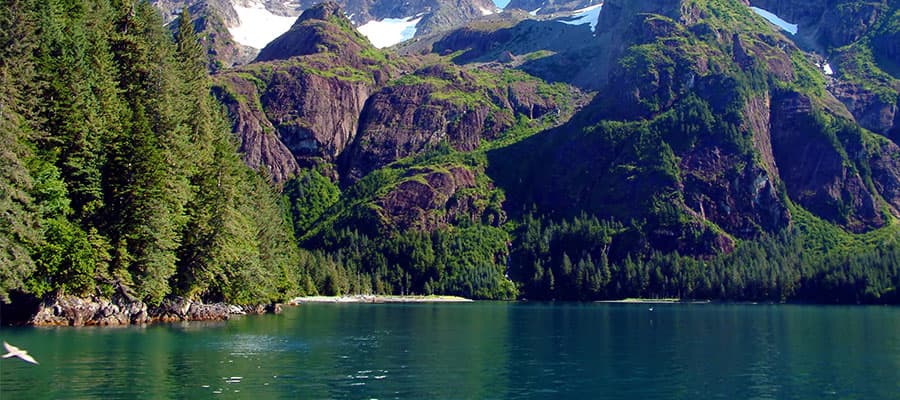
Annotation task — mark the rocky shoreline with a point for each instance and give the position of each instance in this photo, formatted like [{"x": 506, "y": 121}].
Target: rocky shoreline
[{"x": 97, "y": 311}]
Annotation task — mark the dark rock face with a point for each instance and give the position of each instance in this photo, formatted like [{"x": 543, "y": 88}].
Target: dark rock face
[
  {"x": 303, "y": 107},
  {"x": 885, "y": 164},
  {"x": 315, "y": 116},
  {"x": 300, "y": 119},
  {"x": 814, "y": 170},
  {"x": 741, "y": 202},
  {"x": 75, "y": 311},
  {"x": 431, "y": 200},
  {"x": 870, "y": 110},
  {"x": 403, "y": 120},
  {"x": 260, "y": 144}
]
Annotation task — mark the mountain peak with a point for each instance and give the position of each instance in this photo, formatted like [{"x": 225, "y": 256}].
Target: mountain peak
[
  {"x": 322, "y": 11},
  {"x": 322, "y": 28}
]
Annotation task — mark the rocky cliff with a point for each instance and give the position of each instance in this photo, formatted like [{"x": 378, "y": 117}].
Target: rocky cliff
[
  {"x": 321, "y": 93},
  {"x": 441, "y": 104},
  {"x": 304, "y": 104}
]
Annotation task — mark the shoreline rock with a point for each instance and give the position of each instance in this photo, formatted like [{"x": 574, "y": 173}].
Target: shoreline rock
[{"x": 98, "y": 311}]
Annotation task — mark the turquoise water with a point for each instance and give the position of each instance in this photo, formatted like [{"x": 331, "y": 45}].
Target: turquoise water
[{"x": 474, "y": 351}]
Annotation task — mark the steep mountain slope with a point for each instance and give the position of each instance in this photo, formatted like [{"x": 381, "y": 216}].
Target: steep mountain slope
[
  {"x": 710, "y": 131},
  {"x": 211, "y": 20},
  {"x": 860, "y": 40},
  {"x": 321, "y": 89}
]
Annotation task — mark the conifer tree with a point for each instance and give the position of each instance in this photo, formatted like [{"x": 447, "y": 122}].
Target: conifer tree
[{"x": 18, "y": 220}]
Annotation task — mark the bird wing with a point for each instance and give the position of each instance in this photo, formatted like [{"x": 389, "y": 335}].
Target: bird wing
[
  {"x": 10, "y": 348},
  {"x": 28, "y": 358},
  {"x": 14, "y": 351}
]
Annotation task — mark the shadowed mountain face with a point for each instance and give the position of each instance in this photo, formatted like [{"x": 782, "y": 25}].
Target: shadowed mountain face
[{"x": 747, "y": 134}]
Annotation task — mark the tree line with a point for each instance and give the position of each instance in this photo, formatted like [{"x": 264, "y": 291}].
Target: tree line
[{"x": 119, "y": 171}]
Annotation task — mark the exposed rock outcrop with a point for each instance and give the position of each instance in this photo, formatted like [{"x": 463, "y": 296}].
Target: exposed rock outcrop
[
  {"x": 303, "y": 107},
  {"x": 885, "y": 162},
  {"x": 260, "y": 145},
  {"x": 315, "y": 115},
  {"x": 815, "y": 171},
  {"x": 871, "y": 110},
  {"x": 441, "y": 104},
  {"x": 76, "y": 311},
  {"x": 432, "y": 199}
]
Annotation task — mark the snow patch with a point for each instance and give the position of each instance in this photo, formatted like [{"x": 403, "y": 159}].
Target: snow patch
[
  {"x": 258, "y": 26},
  {"x": 587, "y": 15},
  {"x": 827, "y": 69},
  {"x": 485, "y": 11},
  {"x": 535, "y": 11},
  {"x": 787, "y": 26},
  {"x": 390, "y": 31}
]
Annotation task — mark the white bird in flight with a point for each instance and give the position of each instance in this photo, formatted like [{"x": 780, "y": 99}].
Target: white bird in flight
[{"x": 14, "y": 351}]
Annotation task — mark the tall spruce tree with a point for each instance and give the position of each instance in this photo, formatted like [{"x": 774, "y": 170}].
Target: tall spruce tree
[{"x": 18, "y": 219}]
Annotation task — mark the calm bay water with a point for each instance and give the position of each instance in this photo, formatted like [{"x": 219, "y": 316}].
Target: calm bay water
[{"x": 473, "y": 351}]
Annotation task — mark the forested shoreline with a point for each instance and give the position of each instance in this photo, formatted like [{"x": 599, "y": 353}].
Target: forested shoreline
[
  {"x": 120, "y": 177},
  {"x": 120, "y": 174}
]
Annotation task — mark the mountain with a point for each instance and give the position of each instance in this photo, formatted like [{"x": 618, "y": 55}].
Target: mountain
[
  {"x": 234, "y": 30},
  {"x": 683, "y": 134},
  {"x": 707, "y": 149}
]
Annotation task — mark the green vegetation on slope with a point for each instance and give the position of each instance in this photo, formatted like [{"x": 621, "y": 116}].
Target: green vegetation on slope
[{"x": 611, "y": 204}]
